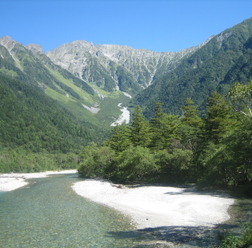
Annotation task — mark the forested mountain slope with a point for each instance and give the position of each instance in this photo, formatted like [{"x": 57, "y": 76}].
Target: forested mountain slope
[
  {"x": 226, "y": 58},
  {"x": 33, "y": 121},
  {"x": 86, "y": 102},
  {"x": 38, "y": 130}
]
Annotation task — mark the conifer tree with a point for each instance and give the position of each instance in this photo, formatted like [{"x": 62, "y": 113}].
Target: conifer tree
[
  {"x": 219, "y": 120},
  {"x": 192, "y": 124},
  {"x": 120, "y": 139},
  {"x": 140, "y": 129}
]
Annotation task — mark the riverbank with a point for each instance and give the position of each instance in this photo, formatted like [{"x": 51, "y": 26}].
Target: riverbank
[
  {"x": 12, "y": 181},
  {"x": 155, "y": 206}
]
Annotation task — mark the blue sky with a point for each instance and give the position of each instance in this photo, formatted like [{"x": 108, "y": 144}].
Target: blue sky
[{"x": 159, "y": 25}]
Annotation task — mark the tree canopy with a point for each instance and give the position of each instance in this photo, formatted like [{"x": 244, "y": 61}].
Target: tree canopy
[{"x": 214, "y": 150}]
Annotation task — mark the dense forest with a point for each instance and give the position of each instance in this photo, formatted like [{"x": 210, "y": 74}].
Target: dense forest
[
  {"x": 212, "y": 150},
  {"x": 36, "y": 133}
]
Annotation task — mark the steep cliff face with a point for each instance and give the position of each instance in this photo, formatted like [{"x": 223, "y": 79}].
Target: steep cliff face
[{"x": 115, "y": 67}]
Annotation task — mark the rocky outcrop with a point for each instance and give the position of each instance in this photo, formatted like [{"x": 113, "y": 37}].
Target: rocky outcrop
[{"x": 114, "y": 67}]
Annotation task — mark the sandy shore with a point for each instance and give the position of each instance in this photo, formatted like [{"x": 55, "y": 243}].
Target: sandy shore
[
  {"x": 12, "y": 181},
  {"x": 153, "y": 206}
]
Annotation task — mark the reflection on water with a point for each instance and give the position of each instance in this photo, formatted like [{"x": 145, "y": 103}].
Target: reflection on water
[{"x": 48, "y": 214}]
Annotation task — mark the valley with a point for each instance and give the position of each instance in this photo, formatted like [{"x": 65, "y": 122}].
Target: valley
[{"x": 130, "y": 116}]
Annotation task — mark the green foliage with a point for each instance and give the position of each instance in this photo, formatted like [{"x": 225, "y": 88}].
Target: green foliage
[
  {"x": 241, "y": 97},
  {"x": 140, "y": 152},
  {"x": 140, "y": 129},
  {"x": 174, "y": 166},
  {"x": 223, "y": 60},
  {"x": 42, "y": 134},
  {"x": 136, "y": 164},
  {"x": 94, "y": 160},
  {"x": 215, "y": 150},
  {"x": 239, "y": 148},
  {"x": 120, "y": 138},
  {"x": 20, "y": 160},
  {"x": 224, "y": 154},
  {"x": 219, "y": 119},
  {"x": 191, "y": 126},
  {"x": 164, "y": 129},
  {"x": 244, "y": 240},
  {"x": 230, "y": 241},
  {"x": 29, "y": 119},
  {"x": 126, "y": 82}
]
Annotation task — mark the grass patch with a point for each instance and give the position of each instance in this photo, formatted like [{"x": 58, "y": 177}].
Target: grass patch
[{"x": 84, "y": 95}]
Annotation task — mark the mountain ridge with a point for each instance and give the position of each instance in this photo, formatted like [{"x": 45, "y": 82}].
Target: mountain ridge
[
  {"x": 140, "y": 66},
  {"x": 88, "y": 73},
  {"x": 201, "y": 73},
  {"x": 29, "y": 65}
]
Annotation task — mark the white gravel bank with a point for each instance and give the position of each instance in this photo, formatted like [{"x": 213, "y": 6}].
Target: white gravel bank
[
  {"x": 12, "y": 181},
  {"x": 153, "y": 206}
]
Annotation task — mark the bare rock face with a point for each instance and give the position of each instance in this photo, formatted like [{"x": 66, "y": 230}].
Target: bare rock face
[
  {"x": 35, "y": 48},
  {"x": 110, "y": 67},
  {"x": 7, "y": 42},
  {"x": 115, "y": 66}
]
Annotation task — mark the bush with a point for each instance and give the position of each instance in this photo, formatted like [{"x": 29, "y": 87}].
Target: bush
[
  {"x": 244, "y": 241},
  {"x": 174, "y": 165},
  {"x": 229, "y": 241},
  {"x": 95, "y": 160},
  {"x": 20, "y": 160},
  {"x": 136, "y": 164}
]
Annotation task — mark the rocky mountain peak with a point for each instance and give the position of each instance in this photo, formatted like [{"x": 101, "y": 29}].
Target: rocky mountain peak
[
  {"x": 103, "y": 63},
  {"x": 35, "y": 48},
  {"x": 7, "y": 42},
  {"x": 75, "y": 47}
]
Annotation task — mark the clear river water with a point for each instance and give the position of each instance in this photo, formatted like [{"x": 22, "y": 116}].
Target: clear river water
[{"x": 48, "y": 214}]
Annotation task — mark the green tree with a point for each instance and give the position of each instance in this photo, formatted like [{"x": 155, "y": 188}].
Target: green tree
[
  {"x": 174, "y": 165},
  {"x": 157, "y": 128},
  {"x": 140, "y": 129},
  {"x": 241, "y": 97},
  {"x": 191, "y": 127},
  {"x": 239, "y": 148},
  {"x": 164, "y": 129},
  {"x": 136, "y": 164},
  {"x": 120, "y": 138},
  {"x": 219, "y": 122},
  {"x": 156, "y": 121},
  {"x": 95, "y": 160}
]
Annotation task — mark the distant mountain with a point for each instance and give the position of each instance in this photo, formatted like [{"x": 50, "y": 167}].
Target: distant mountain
[
  {"x": 114, "y": 67},
  {"x": 224, "y": 59},
  {"x": 31, "y": 64},
  {"x": 84, "y": 86},
  {"x": 85, "y": 101}
]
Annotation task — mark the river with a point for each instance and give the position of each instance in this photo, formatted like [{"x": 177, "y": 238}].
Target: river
[{"x": 48, "y": 214}]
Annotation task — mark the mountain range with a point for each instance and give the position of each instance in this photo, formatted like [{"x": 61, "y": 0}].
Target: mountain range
[
  {"x": 87, "y": 84},
  {"x": 114, "y": 67}
]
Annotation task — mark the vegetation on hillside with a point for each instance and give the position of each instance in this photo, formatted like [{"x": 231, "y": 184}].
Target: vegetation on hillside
[
  {"x": 223, "y": 60},
  {"x": 34, "y": 127}
]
